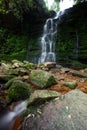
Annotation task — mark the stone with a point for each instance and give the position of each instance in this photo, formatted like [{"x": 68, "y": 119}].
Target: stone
[
  {"x": 65, "y": 70},
  {"x": 68, "y": 112},
  {"x": 5, "y": 66},
  {"x": 17, "y": 61},
  {"x": 38, "y": 96},
  {"x": 79, "y": 74},
  {"x": 18, "y": 91},
  {"x": 41, "y": 78},
  {"x": 85, "y": 70},
  {"x": 29, "y": 65},
  {"x": 71, "y": 85},
  {"x": 50, "y": 64},
  {"x": 16, "y": 71}
]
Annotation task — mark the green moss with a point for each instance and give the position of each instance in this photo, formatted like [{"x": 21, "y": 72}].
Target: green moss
[
  {"x": 41, "y": 78},
  {"x": 51, "y": 81},
  {"x": 18, "y": 91},
  {"x": 28, "y": 65},
  {"x": 71, "y": 85},
  {"x": 9, "y": 83}
]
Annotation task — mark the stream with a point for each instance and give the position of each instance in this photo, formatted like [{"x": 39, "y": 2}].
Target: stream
[{"x": 9, "y": 117}]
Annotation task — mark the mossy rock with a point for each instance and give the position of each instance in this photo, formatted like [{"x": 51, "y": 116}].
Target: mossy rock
[
  {"x": 38, "y": 96},
  {"x": 17, "y": 61},
  {"x": 41, "y": 78},
  {"x": 85, "y": 70},
  {"x": 71, "y": 85},
  {"x": 29, "y": 65},
  {"x": 9, "y": 83},
  {"x": 17, "y": 71},
  {"x": 18, "y": 91}
]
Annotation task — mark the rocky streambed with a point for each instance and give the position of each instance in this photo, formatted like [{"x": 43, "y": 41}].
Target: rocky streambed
[{"x": 55, "y": 96}]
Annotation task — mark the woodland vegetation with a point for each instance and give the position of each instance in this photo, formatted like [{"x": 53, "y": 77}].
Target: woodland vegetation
[{"x": 21, "y": 26}]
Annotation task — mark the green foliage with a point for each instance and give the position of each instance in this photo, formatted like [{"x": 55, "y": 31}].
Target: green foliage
[
  {"x": 12, "y": 46},
  {"x": 18, "y": 7},
  {"x": 3, "y": 6}
]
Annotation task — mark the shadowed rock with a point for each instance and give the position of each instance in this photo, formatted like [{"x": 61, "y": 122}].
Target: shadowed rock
[{"x": 68, "y": 112}]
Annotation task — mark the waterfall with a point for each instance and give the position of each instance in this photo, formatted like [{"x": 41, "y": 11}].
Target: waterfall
[
  {"x": 49, "y": 33},
  {"x": 48, "y": 40},
  {"x": 76, "y": 47}
]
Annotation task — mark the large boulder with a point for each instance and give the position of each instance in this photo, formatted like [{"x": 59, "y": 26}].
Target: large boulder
[
  {"x": 67, "y": 112},
  {"x": 41, "y": 78},
  {"x": 18, "y": 91}
]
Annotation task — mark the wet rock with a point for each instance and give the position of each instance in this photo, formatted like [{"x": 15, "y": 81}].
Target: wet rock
[
  {"x": 18, "y": 91},
  {"x": 42, "y": 95},
  {"x": 41, "y": 78},
  {"x": 71, "y": 85},
  {"x": 50, "y": 64},
  {"x": 65, "y": 70},
  {"x": 67, "y": 112}
]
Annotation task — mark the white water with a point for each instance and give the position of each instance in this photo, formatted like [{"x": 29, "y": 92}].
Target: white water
[
  {"x": 76, "y": 47},
  {"x": 9, "y": 116},
  {"x": 49, "y": 33},
  {"x": 48, "y": 42}
]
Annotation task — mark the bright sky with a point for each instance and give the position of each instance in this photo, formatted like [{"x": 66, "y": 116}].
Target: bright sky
[{"x": 64, "y": 4}]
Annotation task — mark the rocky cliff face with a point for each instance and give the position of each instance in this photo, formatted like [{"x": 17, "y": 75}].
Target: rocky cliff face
[
  {"x": 72, "y": 34},
  {"x": 71, "y": 39}
]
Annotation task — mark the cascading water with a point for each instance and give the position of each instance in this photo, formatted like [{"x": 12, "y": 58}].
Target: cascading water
[
  {"x": 48, "y": 41},
  {"x": 9, "y": 116},
  {"x": 49, "y": 33},
  {"x": 76, "y": 47}
]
